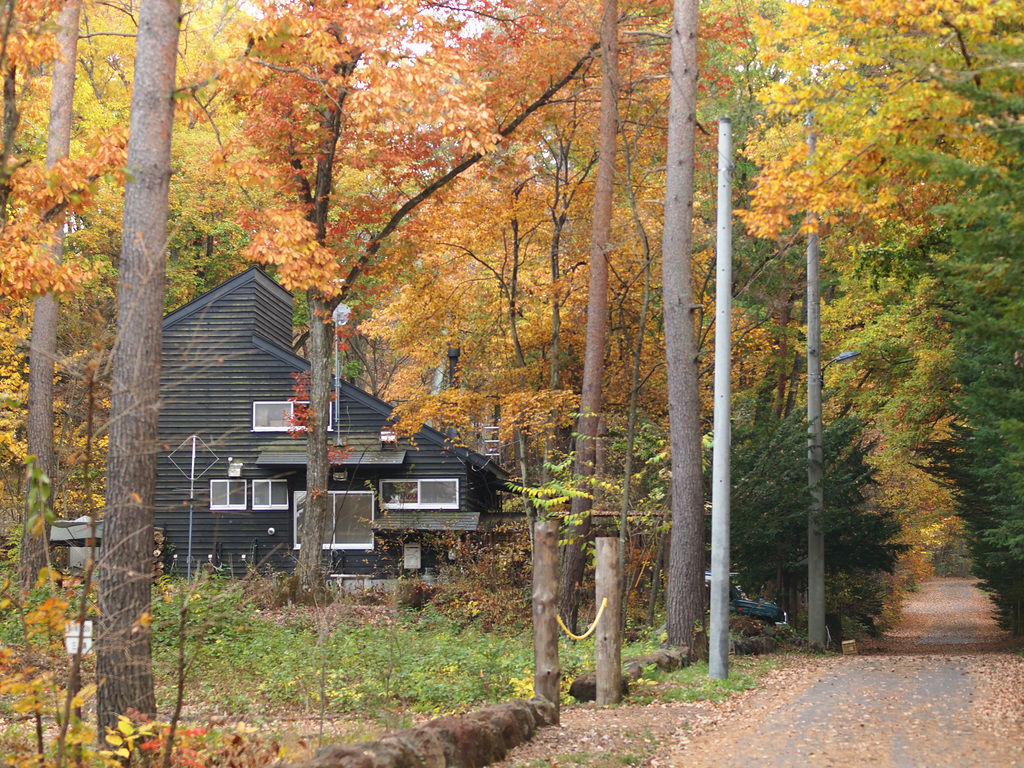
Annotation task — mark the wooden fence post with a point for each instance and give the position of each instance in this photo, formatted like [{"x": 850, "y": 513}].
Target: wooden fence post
[
  {"x": 608, "y": 647},
  {"x": 547, "y": 674}
]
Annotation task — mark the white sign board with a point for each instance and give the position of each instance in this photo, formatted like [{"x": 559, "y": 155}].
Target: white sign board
[
  {"x": 412, "y": 557},
  {"x": 73, "y": 632}
]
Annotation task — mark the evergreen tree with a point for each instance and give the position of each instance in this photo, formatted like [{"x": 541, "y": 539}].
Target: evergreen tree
[
  {"x": 769, "y": 512},
  {"x": 984, "y": 455}
]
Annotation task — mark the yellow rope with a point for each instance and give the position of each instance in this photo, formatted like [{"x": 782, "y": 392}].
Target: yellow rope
[{"x": 593, "y": 626}]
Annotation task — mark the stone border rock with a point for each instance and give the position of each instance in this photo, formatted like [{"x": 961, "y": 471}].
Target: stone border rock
[
  {"x": 470, "y": 741},
  {"x": 584, "y": 687},
  {"x": 752, "y": 646}
]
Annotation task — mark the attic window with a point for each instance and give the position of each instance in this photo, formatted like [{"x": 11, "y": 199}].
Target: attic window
[
  {"x": 277, "y": 416},
  {"x": 227, "y": 494},
  {"x": 272, "y": 415},
  {"x": 420, "y": 494}
]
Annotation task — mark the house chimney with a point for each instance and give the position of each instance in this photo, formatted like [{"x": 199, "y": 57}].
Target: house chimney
[
  {"x": 453, "y": 383},
  {"x": 453, "y": 365}
]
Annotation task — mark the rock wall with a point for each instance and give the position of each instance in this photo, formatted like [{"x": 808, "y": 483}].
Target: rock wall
[{"x": 470, "y": 741}]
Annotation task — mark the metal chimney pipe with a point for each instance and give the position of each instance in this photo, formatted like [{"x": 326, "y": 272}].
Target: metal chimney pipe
[{"x": 453, "y": 364}]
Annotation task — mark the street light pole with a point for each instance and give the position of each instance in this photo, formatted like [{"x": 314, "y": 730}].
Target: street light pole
[
  {"x": 815, "y": 533},
  {"x": 816, "y": 460},
  {"x": 718, "y": 650}
]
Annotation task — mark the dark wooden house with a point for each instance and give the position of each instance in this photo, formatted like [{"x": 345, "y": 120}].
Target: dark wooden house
[{"x": 231, "y": 477}]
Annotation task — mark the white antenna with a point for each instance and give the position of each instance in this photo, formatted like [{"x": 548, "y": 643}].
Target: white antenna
[{"x": 192, "y": 477}]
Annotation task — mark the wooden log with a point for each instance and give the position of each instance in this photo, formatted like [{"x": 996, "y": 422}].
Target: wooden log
[
  {"x": 608, "y": 635},
  {"x": 547, "y": 675}
]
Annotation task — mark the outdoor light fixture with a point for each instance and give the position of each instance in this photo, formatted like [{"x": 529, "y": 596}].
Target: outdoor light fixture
[
  {"x": 340, "y": 315},
  {"x": 842, "y": 357}
]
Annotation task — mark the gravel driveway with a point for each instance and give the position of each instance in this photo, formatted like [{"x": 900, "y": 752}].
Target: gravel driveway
[
  {"x": 945, "y": 690},
  {"x": 942, "y": 691}
]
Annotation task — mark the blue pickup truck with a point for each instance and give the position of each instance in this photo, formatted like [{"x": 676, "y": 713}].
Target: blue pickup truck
[
  {"x": 760, "y": 609},
  {"x": 767, "y": 612}
]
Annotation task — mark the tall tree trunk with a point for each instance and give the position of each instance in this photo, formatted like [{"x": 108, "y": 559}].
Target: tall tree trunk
[
  {"x": 634, "y": 377},
  {"x": 597, "y": 311},
  {"x": 685, "y": 586},
  {"x": 123, "y": 651},
  {"x": 43, "y": 348},
  {"x": 558, "y": 219},
  {"x": 566, "y": 187},
  {"x": 11, "y": 119},
  {"x": 522, "y": 455},
  {"x": 310, "y": 571},
  {"x": 318, "y": 507},
  {"x": 652, "y": 598}
]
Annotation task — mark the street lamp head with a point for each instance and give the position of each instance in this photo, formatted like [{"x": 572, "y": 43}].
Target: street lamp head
[
  {"x": 844, "y": 357},
  {"x": 341, "y": 314}
]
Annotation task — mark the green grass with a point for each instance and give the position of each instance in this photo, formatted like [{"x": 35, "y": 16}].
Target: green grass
[
  {"x": 374, "y": 665},
  {"x": 693, "y": 684},
  {"x": 350, "y": 659},
  {"x": 591, "y": 760}
]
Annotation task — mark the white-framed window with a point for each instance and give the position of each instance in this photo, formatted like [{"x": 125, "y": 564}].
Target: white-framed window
[
  {"x": 420, "y": 494},
  {"x": 272, "y": 415},
  {"x": 278, "y": 416},
  {"x": 227, "y": 494},
  {"x": 270, "y": 494},
  {"x": 349, "y": 521}
]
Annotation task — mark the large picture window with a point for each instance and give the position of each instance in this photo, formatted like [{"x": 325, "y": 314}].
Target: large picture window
[
  {"x": 419, "y": 494},
  {"x": 270, "y": 494},
  {"x": 227, "y": 494},
  {"x": 349, "y": 520}
]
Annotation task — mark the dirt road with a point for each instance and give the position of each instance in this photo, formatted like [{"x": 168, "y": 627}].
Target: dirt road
[
  {"x": 945, "y": 690},
  {"x": 942, "y": 691}
]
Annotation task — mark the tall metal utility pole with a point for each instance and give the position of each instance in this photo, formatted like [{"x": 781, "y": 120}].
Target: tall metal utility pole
[
  {"x": 718, "y": 651},
  {"x": 815, "y": 533}
]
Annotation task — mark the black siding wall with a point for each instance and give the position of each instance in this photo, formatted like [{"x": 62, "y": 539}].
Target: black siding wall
[{"x": 222, "y": 352}]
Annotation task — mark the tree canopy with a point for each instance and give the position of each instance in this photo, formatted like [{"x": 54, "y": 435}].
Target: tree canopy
[{"x": 435, "y": 167}]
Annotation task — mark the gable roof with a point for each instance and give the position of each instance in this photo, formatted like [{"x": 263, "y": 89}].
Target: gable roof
[
  {"x": 254, "y": 273},
  {"x": 275, "y": 292}
]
